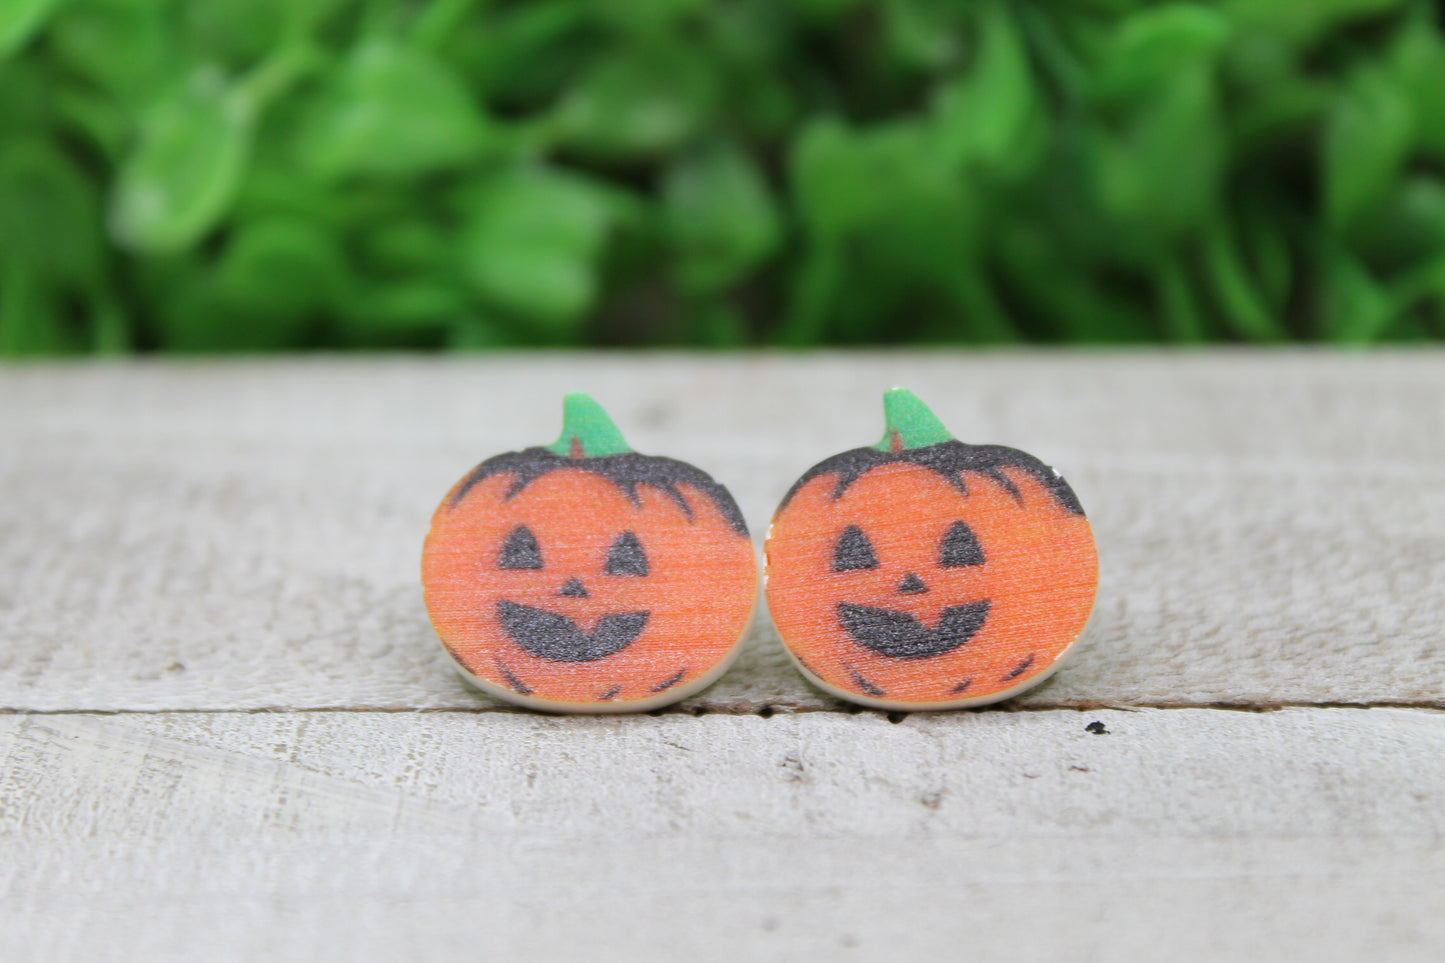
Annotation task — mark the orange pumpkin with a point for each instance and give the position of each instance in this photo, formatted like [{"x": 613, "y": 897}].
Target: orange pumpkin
[
  {"x": 925, "y": 573},
  {"x": 584, "y": 576}
]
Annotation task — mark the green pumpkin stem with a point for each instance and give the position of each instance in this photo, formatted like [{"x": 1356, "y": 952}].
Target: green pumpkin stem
[
  {"x": 910, "y": 424},
  {"x": 587, "y": 431}
]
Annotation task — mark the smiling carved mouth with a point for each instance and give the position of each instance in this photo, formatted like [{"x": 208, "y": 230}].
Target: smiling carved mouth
[
  {"x": 557, "y": 638},
  {"x": 898, "y": 634}
]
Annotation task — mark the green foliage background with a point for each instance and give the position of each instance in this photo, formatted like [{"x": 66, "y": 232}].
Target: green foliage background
[{"x": 221, "y": 175}]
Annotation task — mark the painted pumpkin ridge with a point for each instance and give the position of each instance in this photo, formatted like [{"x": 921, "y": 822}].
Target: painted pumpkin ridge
[
  {"x": 590, "y": 442},
  {"x": 913, "y": 437}
]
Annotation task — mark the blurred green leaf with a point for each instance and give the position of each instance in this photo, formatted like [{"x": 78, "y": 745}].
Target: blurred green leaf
[
  {"x": 1154, "y": 44},
  {"x": 406, "y": 243},
  {"x": 240, "y": 31},
  {"x": 721, "y": 326},
  {"x": 1179, "y": 302},
  {"x": 282, "y": 268},
  {"x": 1270, "y": 257},
  {"x": 395, "y": 314},
  {"x": 823, "y": 11},
  {"x": 1366, "y": 141},
  {"x": 846, "y": 180},
  {"x": 28, "y": 97},
  {"x": 638, "y": 102},
  {"x": 100, "y": 121},
  {"x": 1358, "y": 309},
  {"x": 1162, "y": 175},
  {"x": 484, "y": 173},
  {"x": 1424, "y": 282},
  {"x": 523, "y": 55},
  {"x": 1406, "y": 226},
  {"x": 1061, "y": 291},
  {"x": 1301, "y": 22},
  {"x": 266, "y": 290},
  {"x": 49, "y": 214},
  {"x": 396, "y": 111},
  {"x": 125, "y": 48},
  {"x": 110, "y": 329},
  {"x": 881, "y": 198},
  {"x": 1244, "y": 308},
  {"x": 986, "y": 115},
  {"x": 531, "y": 245},
  {"x": 1417, "y": 65},
  {"x": 649, "y": 17},
  {"x": 185, "y": 170},
  {"x": 193, "y": 318},
  {"x": 19, "y": 19},
  {"x": 720, "y": 216},
  {"x": 835, "y": 190},
  {"x": 815, "y": 289},
  {"x": 478, "y": 333},
  {"x": 1280, "y": 112},
  {"x": 28, "y": 326},
  {"x": 923, "y": 34}
]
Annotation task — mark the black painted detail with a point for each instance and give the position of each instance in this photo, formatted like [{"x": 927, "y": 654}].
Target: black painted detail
[
  {"x": 610, "y": 694},
  {"x": 960, "y": 547},
  {"x": 962, "y": 686},
  {"x": 950, "y": 459},
  {"x": 666, "y": 684},
  {"x": 518, "y": 686},
  {"x": 574, "y": 589},
  {"x": 520, "y": 550},
  {"x": 864, "y": 684},
  {"x": 900, "y": 635},
  {"x": 556, "y": 638},
  {"x": 853, "y": 551},
  {"x": 912, "y": 585},
  {"x": 626, "y": 556},
  {"x": 628, "y": 471},
  {"x": 1019, "y": 669},
  {"x": 1097, "y": 728}
]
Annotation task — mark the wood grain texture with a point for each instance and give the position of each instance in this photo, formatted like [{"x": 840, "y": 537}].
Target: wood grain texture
[
  {"x": 1271, "y": 527},
  {"x": 182, "y": 543},
  {"x": 368, "y": 835}
]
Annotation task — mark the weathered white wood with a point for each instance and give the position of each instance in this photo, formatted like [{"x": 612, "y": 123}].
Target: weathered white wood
[
  {"x": 1271, "y": 526},
  {"x": 1182, "y": 834},
  {"x": 222, "y": 536}
]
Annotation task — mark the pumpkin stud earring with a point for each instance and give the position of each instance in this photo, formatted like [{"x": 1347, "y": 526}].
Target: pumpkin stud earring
[
  {"x": 925, "y": 573},
  {"x": 585, "y": 577}
]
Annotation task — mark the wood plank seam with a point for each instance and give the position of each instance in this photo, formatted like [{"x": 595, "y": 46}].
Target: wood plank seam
[{"x": 763, "y": 712}]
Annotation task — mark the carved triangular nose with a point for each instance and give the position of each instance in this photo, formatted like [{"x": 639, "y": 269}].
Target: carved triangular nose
[
  {"x": 912, "y": 585},
  {"x": 574, "y": 587}
]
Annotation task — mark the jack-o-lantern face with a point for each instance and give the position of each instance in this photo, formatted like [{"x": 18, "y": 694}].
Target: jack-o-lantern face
[
  {"x": 603, "y": 582},
  {"x": 934, "y": 576}
]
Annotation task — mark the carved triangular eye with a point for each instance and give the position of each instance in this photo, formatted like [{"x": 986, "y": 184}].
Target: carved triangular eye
[
  {"x": 520, "y": 550},
  {"x": 960, "y": 547},
  {"x": 626, "y": 556},
  {"x": 853, "y": 551}
]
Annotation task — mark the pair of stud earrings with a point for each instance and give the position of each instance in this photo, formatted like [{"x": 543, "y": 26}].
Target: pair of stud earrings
[{"x": 919, "y": 573}]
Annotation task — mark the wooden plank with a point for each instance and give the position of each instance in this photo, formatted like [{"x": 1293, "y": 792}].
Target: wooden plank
[
  {"x": 1271, "y": 526},
  {"x": 1298, "y": 834}
]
